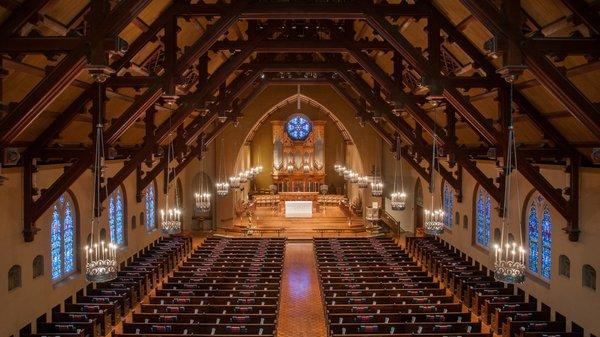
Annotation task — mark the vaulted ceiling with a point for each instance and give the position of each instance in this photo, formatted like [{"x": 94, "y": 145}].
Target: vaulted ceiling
[{"x": 181, "y": 71}]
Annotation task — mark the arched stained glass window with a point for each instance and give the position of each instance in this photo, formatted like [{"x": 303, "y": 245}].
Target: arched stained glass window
[
  {"x": 483, "y": 218},
  {"x": 448, "y": 200},
  {"x": 150, "y": 202},
  {"x": 62, "y": 236},
  {"x": 116, "y": 217},
  {"x": 539, "y": 237}
]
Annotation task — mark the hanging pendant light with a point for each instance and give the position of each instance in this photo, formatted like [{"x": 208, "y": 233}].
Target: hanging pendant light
[
  {"x": 243, "y": 177},
  {"x": 100, "y": 256},
  {"x": 170, "y": 218},
  {"x": 202, "y": 198},
  {"x": 377, "y": 187},
  {"x": 433, "y": 218},
  {"x": 509, "y": 258},
  {"x": 234, "y": 182},
  {"x": 398, "y": 198},
  {"x": 354, "y": 177},
  {"x": 376, "y": 180},
  {"x": 222, "y": 186},
  {"x": 363, "y": 182}
]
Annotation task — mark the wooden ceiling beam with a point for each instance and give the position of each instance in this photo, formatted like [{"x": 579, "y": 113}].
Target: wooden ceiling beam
[
  {"x": 46, "y": 44},
  {"x": 482, "y": 62},
  {"x": 568, "y": 209},
  {"x": 210, "y": 36},
  {"x": 186, "y": 139},
  {"x": 60, "y": 123},
  {"x": 50, "y": 87},
  {"x": 11, "y": 5},
  {"x": 319, "y": 10},
  {"x": 303, "y": 46},
  {"x": 114, "y": 131},
  {"x": 565, "y": 45},
  {"x": 398, "y": 123},
  {"x": 588, "y": 15},
  {"x": 549, "y": 76},
  {"x": 183, "y": 111},
  {"x": 21, "y": 16}
]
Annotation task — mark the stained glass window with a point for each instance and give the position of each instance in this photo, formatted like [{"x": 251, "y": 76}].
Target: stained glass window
[
  {"x": 150, "y": 202},
  {"x": 62, "y": 238},
  {"x": 533, "y": 238},
  {"x": 483, "y": 218},
  {"x": 539, "y": 235},
  {"x": 116, "y": 217},
  {"x": 448, "y": 200},
  {"x": 546, "y": 243},
  {"x": 298, "y": 127}
]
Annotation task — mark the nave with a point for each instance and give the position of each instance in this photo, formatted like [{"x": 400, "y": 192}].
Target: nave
[{"x": 232, "y": 286}]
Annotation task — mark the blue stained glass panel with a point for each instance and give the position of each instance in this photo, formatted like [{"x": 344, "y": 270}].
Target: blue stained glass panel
[
  {"x": 546, "y": 243},
  {"x": 298, "y": 127},
  {"x": 483, "y": 218},
  {"x": 150, "y": 208},
  {"x": 488, "y": 220},
  {"x": 116, "y": 218},
  {"x": 56, "y": 243},
  {"x": 120, "y": 228},
  {"x": 112, "y": 219},
  {"x": 69, "y": 239},
  {"x": 533, "y": 235},
  {"x": 448, "y": 205}
]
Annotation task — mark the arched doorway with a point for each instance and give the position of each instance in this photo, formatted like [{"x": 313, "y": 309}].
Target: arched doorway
[{"x": 418, "y": 208}]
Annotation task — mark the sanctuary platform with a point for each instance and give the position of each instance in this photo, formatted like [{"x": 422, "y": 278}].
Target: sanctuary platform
[{"x": 329, "y": 221}]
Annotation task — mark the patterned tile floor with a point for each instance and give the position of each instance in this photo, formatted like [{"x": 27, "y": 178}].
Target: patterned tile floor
[{"x": 301, "y": 312}]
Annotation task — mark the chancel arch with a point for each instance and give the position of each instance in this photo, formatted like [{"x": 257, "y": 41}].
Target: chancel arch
[{"x": 319, "y": 103}]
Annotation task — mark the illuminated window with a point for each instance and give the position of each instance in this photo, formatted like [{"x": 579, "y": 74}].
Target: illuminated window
[
  {"x": 298, "y": 127},
  {"x": 62, "y": 237},
  {"x": 483, "y": 218},
  {"x": 448, "y": 200},
  {"x": 150, "y": 202},
  {"x": 539, "y": 236},
  {"x": 116, "y": 217}
]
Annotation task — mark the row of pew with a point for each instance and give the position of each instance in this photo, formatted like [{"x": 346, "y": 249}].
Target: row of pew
[
  {"x": 507, "y": 312},
  {"x": 97, "y": 309},
  {"x": 373, "y": 288},
  {"x": 226, "y": 287}
]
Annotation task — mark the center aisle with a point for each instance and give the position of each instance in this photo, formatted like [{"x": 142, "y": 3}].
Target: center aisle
[{"x": 301, "y": 305}]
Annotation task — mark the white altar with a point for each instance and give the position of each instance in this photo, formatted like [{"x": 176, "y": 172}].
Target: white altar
[{"x": 298, "y": 209}]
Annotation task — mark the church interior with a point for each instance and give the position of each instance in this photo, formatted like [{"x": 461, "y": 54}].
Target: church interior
[{"x": 293, "y": 168}]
